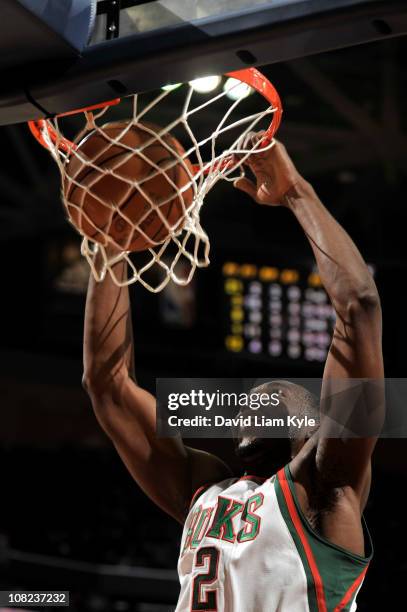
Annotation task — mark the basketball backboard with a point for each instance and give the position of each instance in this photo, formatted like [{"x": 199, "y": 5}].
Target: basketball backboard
[{"x": 138, "y": 45}]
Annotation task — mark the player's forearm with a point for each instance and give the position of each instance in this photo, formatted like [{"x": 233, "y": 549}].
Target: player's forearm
[
  {"x": 342, "y": 269},
  {"x": 108, "y": 338}
]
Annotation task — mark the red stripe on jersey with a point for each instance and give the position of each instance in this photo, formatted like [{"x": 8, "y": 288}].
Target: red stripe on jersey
[
  {"x": 254, "y": 478},
  {"x": 198, "y": 493},
  {"x": 319, "y": 588},
  {"x": 348, "y": 595}
]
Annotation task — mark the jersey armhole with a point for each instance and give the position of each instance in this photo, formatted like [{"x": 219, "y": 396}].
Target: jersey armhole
[{"x": 285, "y": 473}]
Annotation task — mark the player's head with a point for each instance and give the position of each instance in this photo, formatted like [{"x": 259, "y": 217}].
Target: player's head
[{"x": 257, "y": 451}]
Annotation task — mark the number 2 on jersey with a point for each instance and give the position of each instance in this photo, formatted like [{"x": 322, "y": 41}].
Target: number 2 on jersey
[{"x": 205, "y": 602}]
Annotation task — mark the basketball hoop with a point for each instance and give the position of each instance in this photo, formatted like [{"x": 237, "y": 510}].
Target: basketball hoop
[{"x": 218, "y": 155}]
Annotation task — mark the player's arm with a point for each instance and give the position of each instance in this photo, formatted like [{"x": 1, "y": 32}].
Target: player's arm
[
  {"x": 165, "y": 469},
  {"x": 356, "y": 350}
]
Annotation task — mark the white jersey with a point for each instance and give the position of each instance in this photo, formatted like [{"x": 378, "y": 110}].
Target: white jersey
[{"x": 247, "y": 547}]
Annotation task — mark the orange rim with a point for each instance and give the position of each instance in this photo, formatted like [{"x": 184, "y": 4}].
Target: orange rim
[
  {"x": 255, "y": 79},
  {"x": 38, "y": 126},
  {"x": 251, "y": 76}
]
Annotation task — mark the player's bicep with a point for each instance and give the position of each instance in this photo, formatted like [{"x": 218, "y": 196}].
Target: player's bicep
[
  {"x": 164, "y": 468},
  {"x": 352, "y": 399}
]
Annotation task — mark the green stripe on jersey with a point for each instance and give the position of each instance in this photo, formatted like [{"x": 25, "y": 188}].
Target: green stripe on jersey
[
  {"x": 339, "y": 569},
  {"x": 312, "y": 600}
]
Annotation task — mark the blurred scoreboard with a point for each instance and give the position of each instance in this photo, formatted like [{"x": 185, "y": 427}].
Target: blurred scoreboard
[{"x": 277, "y": 312}]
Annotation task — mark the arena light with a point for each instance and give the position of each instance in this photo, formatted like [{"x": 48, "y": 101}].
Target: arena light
[
  {"x": 236, "y": 90},
  {"x": 205, "y": 84},
  {"x": 171, "y": 87}
]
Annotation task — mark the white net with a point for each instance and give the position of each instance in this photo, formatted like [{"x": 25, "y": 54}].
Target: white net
[{"x": 206, "y": 156}]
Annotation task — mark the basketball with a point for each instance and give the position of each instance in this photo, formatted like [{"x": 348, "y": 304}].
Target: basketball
[{"x": 106, "y": 201}]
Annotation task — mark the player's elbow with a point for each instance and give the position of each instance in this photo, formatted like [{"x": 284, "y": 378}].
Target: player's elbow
[
  {"x": 100, "y": 402},
  {"x": 91, "y": 383},
  {"x": 106, "y": 398},
  {"x": 364, "y": 301},
  {"x": 99, "y": 386},
  {"x": 86, "y": 383}
]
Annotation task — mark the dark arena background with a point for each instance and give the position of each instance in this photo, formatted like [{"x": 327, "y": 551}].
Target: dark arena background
[{"x": 71, "y": 517}]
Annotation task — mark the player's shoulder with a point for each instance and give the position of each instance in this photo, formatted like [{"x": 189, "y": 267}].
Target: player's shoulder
[{"x": 212, "y": 489}]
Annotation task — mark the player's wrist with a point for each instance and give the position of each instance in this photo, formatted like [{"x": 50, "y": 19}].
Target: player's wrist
[{"x": 299, "y": 193}]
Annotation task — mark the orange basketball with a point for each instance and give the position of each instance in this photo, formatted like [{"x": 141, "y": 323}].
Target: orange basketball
[{"x": 106, "y": 204}]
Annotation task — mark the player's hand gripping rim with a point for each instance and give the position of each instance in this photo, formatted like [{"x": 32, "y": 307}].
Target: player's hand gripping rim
[{"x": 274, "y": 172}]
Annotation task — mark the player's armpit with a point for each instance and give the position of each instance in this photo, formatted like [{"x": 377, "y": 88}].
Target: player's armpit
[
  {"x": 352, "y": 401},
  {"x": 167, "y": 471}
]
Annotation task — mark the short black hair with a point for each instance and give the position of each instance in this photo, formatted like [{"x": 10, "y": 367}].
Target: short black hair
[{"x": 306, "y": 403}]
